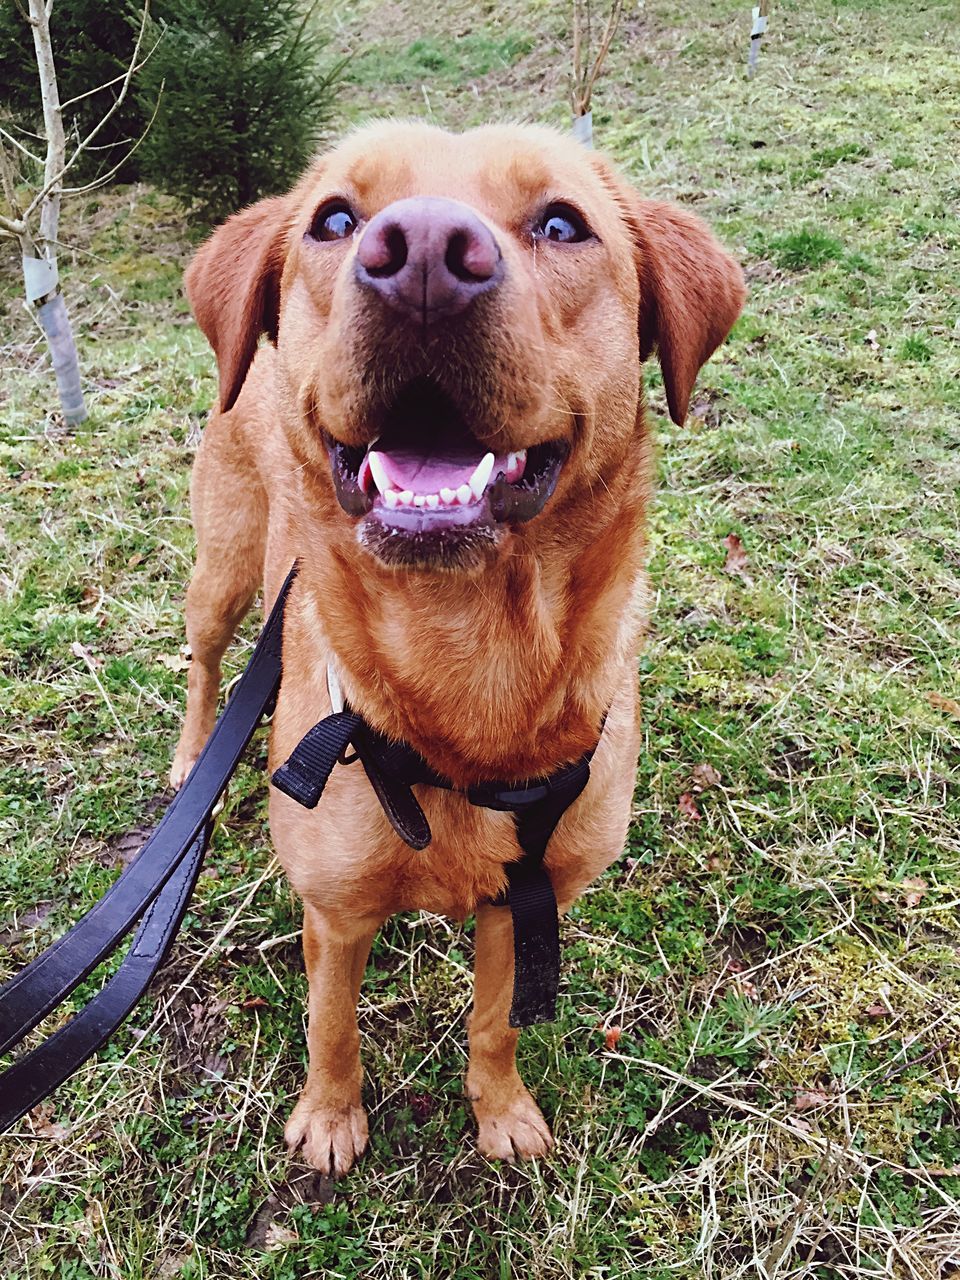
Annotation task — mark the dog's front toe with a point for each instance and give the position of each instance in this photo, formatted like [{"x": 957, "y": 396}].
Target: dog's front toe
[
  {"x": 330, "y": 1138},
  {"x": 511, "y": 1128}
]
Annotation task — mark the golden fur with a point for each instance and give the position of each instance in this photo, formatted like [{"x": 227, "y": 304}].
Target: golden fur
[{"x": 503, "y": 669}]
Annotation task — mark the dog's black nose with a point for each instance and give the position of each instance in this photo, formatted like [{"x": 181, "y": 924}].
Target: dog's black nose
[{"x": 428, "y": 257}]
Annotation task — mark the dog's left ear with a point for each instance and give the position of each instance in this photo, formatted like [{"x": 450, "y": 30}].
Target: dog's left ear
[
  {"x": 691, "y": 289},
  {"x": 691, "y": 292}
]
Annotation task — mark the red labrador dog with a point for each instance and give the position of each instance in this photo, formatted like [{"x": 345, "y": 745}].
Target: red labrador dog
[{"x": 446, "y": 426}]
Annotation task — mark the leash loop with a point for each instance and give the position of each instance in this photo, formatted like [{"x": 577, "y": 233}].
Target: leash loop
[{"x": 156, "y": 886}]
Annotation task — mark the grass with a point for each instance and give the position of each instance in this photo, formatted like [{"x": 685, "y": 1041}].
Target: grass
[{"x": 779, "y": 946}]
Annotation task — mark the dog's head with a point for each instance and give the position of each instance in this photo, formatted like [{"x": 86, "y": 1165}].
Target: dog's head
[{"x": 460, "y": 322}]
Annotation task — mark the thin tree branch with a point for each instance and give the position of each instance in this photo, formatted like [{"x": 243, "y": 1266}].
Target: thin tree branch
[
  {"x": 19, "y": 145},
  {"x": 57, "y": 177},
  {"x": 585, "y": 73},
  {"x": 613, "y": 21},
  {"x": 105, "y": 177},
  {"x": 107, "y": 84},
  {"x": 10, "y": 228}
]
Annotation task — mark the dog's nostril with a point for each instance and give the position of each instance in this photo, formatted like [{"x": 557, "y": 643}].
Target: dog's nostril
[
  {"x": 388, "y": 254},
  {"x": 469, "y": 259}
]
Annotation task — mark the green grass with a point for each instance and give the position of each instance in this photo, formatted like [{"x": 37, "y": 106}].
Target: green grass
[{"x": 780, "y": 943}]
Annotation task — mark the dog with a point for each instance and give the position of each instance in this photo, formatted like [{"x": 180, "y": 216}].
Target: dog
[{"x": 432, "y": 301}]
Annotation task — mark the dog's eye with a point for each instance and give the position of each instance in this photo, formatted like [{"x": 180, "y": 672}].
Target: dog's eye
[
  {"x": 562, "y": 224},
  {"x": 334, "y": 220}
]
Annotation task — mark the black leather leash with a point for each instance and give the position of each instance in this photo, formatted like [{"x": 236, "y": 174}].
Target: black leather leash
[{"x": 162, "y": 874}]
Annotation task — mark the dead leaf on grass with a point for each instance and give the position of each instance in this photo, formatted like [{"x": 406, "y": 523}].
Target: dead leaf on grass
[
  {"x": 173, "y": 661},
  {"x": 278, "y": 1237},
  {"x": 688, "y": 807},
  {"x": 611, "y": 1037},
  {"x": 45, "y": 1127},
  {"x": 940, "y": 702},
  {"x": 704, "y": 776},
  {"x": 915, "y": 889},
  {"x": 737, "y": 563},
  {"x": 807, "y": 1099}
]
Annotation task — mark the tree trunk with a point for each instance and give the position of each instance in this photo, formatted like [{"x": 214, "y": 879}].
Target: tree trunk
[{"x": 50, "y": 307}]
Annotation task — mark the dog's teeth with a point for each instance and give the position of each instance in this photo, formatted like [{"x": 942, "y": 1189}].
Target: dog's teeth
[
  {"x": 405, "y": 496},
  {"x": 379, "y": 472},
  {"x": 465, "y": 495},
  {"x": 516, "y": 463},
  {"x": 481, "y": 476},
  {"x": 363, "y": 475},
  {"x": 391, "y": 497},
  {"x": 419, "y": 500},
  {"x": 433, "y": 500},
  {"x": 448, "y": 495}
]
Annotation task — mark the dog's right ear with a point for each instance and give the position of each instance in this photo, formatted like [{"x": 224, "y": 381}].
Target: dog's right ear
[{"x": 233, "y": 284}]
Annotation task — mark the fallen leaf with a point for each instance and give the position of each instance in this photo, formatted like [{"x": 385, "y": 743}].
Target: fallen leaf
[
  {"x": 871, "y": 340},
  {"x": 801, "y": 1125},
  {"x": 135, "y": 559},
  {"x": 941, "y": 702},
  {"x": 253, "y": 1002},
  {"x": 736, "y": 562},
  {"x": 704, "y": 776},
  {"x": 79, "y": 651},
  {"x": 611, "y": 1037},
  {"x": 877, "y": 1011},
  {"x": 45, "y": 1127},
  {"x": 278, "y": 1237},
  {"x": 173, "y": 661},
  {"x": 807, "y": 1099},
  {"x": 688, "y": 807},
  {"x": 915, "y": 888}
]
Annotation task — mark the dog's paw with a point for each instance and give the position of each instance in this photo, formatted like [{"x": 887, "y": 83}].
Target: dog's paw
[
  {"x": 330, "y": 1138},
  {"x": 183, "y": 762},
  {"x": 513, "y": 1128}
]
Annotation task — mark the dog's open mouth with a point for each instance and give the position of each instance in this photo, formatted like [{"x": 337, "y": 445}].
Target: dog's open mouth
[{"x": 427, "y": 478}]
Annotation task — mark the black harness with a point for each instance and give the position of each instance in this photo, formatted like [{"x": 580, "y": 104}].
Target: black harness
[{"x": 157, "y": 885}]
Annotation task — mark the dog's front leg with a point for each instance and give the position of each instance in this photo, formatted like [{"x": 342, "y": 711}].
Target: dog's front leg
[
  {"x": 328, "y": 1119},
  {"x": 509, "y": 1121}
]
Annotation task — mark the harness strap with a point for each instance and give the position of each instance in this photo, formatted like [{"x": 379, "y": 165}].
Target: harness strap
[{"x": 537, "y": 805}]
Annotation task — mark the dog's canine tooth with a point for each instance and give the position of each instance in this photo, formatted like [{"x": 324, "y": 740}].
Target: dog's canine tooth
[
  {"x": 481, "y": 476},
  {"x": 376, "y": 468}
]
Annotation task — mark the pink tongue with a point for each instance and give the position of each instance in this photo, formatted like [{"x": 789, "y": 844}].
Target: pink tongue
[{"x": 409, "y": 470}]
